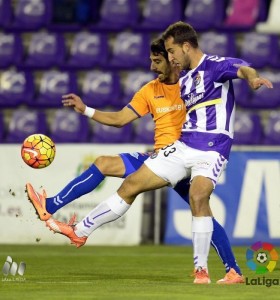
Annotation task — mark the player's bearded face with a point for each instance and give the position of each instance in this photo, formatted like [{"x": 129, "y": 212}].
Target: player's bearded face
[
  {"x": 165, "y": 72},
  {"x": 160, "y": 66}
]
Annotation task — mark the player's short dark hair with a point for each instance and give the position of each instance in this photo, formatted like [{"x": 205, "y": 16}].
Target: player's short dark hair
[
  {"x": 157, "y": 47},
  {"x": 181, "y": 32}
]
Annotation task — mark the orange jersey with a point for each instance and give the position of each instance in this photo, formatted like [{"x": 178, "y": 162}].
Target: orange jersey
[{"x": 168, "y": 110}]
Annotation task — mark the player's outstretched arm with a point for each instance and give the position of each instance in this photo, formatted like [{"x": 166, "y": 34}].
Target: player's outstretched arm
[
  {"x": 253, "y": 78},
  {"x": 116, "y": 119}
]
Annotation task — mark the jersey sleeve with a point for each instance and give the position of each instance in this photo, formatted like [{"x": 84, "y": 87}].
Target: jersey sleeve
[
  {"x": 227, "y": 69},
  {"x": 139, "y": 103}
]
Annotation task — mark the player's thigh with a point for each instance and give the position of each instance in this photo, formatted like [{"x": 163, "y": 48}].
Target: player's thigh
[
  {"x": 169, "y": 163},
  {"x": 209, "y": 164},
  {"x": 110, "y": 165},
  {"x": 120, "y": 165},
  {"x": 133, "y": 161},
  {"x": 140, "y": 181},
  {"x": 201, "y": 188}
]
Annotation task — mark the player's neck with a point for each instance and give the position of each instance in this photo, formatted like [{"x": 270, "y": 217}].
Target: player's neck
[
  {"x": 196, "y": 57},
  {"x": 172, "y": 78}
]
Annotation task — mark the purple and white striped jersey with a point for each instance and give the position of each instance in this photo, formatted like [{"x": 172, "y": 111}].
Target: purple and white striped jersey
[{"x": 209, "y": 97}]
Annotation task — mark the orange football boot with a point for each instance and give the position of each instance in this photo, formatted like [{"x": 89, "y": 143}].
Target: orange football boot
[
  {"x": 38, "y": 201},
  {"x": 231, "y": 277},
  {"x": 201, "y": 276},
  {"x": 67, "y": 230}
]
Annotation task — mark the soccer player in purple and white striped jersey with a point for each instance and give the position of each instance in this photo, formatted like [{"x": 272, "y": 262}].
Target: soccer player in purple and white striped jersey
[
  {"x": 206, "y": 86},
  {"x": 207, "y": 135}
]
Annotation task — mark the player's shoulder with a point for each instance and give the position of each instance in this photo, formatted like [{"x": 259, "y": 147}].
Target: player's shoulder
[
  {"x": 153, "y": 82},
  {"x": 214, "y": 59},
  {"x": 150, "y": 85},
  {"x": 221, "y": 62},
  {"x": 216, "y": 62}
]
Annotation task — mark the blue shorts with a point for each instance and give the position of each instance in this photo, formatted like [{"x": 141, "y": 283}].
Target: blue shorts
[{"x": 133, "y": 161}]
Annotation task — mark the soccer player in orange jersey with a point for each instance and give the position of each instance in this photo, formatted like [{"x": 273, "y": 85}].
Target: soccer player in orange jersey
[{"x": 161, "y": 99}]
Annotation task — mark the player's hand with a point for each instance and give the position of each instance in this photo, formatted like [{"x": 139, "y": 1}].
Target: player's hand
[
  {"x": 72, "y": 100},
  {"x": 256, "y": 83}
]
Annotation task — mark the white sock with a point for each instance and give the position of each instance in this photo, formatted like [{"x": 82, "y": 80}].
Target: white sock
[
  {"x": 202, "y": 228},
  {"x": 107, "y": 211}
]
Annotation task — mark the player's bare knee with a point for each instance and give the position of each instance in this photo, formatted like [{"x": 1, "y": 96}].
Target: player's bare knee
[
  {"x": 199, "y": 203},
  {"x": 200, "y": 196},
  {"x": 103, "y": 164},
  {"x": 110, "y": 165}
]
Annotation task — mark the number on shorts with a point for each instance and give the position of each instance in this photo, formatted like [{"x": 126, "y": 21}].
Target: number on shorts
[{"x": 168, "y": 149}]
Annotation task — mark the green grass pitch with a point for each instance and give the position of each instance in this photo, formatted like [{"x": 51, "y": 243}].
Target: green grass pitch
[{"x": 143, "y": 272}]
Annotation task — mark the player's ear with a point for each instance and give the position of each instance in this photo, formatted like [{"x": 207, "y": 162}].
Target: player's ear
[{"x": 186, "y": 47}]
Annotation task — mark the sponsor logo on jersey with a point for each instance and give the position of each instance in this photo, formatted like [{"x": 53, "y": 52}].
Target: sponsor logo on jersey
[
  {"x": 169, "y": 108},
  {"x": 193, "y": 99}
]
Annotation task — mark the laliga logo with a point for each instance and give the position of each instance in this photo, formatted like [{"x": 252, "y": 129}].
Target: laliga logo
[{"x": 261, "y": 257}]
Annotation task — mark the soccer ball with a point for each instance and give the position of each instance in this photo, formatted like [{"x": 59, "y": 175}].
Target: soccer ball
[{"x": 38, "y": 151}]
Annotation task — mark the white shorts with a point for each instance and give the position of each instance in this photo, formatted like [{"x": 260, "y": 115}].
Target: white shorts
[{"x": 178, "y": 161}]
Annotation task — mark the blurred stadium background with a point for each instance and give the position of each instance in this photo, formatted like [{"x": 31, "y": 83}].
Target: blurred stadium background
[{"x": 100, "y": 50}]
